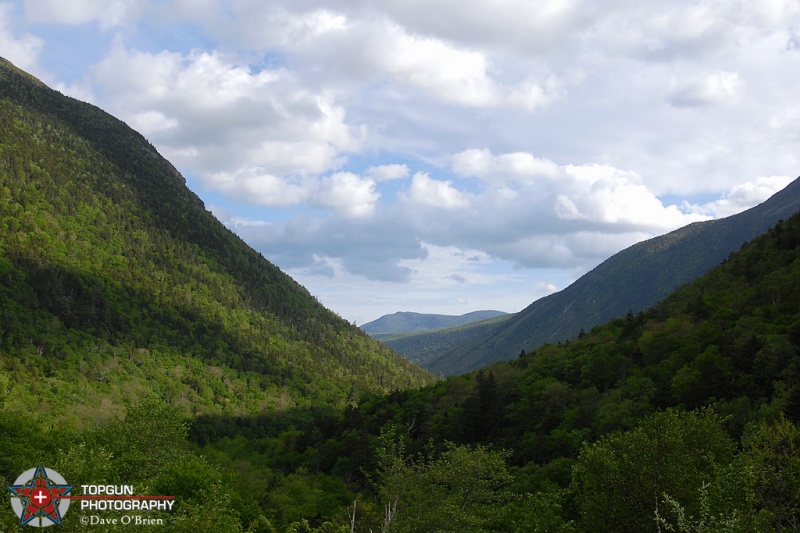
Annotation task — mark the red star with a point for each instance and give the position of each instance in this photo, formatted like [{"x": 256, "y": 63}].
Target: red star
[{"x": 40, "y": 497}]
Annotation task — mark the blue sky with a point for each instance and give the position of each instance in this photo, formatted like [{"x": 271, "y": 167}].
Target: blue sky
[{"x": 440, "y": 156}]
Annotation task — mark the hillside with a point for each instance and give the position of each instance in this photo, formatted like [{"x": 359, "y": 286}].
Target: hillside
[
  {"x": 406, "y": 322},
  {"x": 682, "y": 418},
  {"x": 420, "y": 346},
  {"x": 127, "y": 310},
  {"x": 634, "y": 279},
  {"x": 117, "y": 280},
  {"x": 142, "y": 343}
]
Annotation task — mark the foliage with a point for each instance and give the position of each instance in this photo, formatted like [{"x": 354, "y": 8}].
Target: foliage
[
  {"x": 104, "y": 251},
  {"x": 622, "y": 478},
  {"x": 142, "y": 343},
  {"x": 636, "y": 420},
  {"x": 454, "y": 491}
]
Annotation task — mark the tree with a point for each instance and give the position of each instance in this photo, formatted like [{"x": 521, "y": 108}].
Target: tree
[
  {"x": 769, "y": 466},
  {"x": 456, "y": 491},
  {"x": 622, "y": 478}
]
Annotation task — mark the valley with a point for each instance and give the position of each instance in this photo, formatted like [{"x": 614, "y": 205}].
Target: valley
[{"x": 143, "y": 344}]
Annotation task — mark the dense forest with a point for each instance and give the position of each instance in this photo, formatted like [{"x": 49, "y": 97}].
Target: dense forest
[
  {"x": 681, "y": 418},
  {"x": 142, "y": 343},
  {"x": 118, "y": 288},
  {"x": 105, "y": 252}
]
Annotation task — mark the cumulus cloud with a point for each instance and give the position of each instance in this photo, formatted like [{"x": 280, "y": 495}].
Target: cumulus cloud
[
  {"x": 106, "y": 13},
  {"x": 522, "y": 26},
  {"x": 447, "y": 144},
  {"x": 449, "y": 73},
  {"x": 348, "y": 194},
  {"x": 389, "y": 172},
  {"x": 257, "y": 186},
  {"x": 607, "y": 195},
  {"x": 743, "y": 196},
  {"x": 585, "y": 214},
  {"x": 709, "y": 89},
  {"x": 784, "y": 125},
  {"x": 480, "y": 163},
  {"x": 435, "y": 193},
  {"x": 593, "y": 193},
  {"x": 21, "y": 48},
  {"x": 431, "y": 64},
  {"x": 227, "y": 123},
  {"x": 345, "y": 193},
  {"x": 545, "y": 288},
  {"x": 151, "y": 122},
  {"x": 373, "y": 249}
]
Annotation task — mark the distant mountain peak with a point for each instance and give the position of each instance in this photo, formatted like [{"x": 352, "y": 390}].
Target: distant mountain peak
[{"x": 409, "y": 321}]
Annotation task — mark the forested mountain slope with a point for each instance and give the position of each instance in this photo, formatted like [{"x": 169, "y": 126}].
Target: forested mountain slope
[
  {"x": 634, "y": 279},
  {"x": 681, "y": 418},
  {"x": 112, "y": 270},
  {"x": 420, "y": 346},
  {"x": 407, "y": 322}
]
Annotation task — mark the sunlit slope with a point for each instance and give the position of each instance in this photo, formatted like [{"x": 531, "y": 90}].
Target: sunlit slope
[{"x": 106, "y": 256}]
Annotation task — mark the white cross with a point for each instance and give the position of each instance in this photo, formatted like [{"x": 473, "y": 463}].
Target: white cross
[{"x": 40, "y": 496}]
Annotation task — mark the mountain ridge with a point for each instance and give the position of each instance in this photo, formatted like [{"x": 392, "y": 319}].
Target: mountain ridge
[
  {"x": 104, "y": 249},
  {"x": 409, "y": 322},
  {"x": 637, "y": 278}
]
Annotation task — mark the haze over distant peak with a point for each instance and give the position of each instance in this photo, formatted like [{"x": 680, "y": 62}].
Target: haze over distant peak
[{"x": 406, "y": 322}]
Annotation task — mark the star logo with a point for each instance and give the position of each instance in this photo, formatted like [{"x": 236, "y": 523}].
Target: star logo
[{"x": 40, "y": 494}]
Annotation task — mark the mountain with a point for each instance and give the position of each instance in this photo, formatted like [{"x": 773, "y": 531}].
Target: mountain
[
  {"x": 113, "y": 271},
  {"x": 420, "y": 346},
  {"x": 684, "y": 417},
  {"x": 634, "y": 279},
  {"x": 405, "y": 322}
]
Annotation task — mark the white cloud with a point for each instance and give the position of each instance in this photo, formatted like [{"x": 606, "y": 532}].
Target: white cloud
[
  {"x": 19, "y": 47},
  {"x": 107, "y": 13},
  {"x": 221, "y": 119},
  {"x": 388, "y": 172},
  {"x": 709, "y": 89},
  {"x": 520, "y": 26},
  {"x": 449, "y": 266},
  {"x": 149, "y": 122},
  {"x": 449, "y": 73},
  {"x": 480, "y": 163},
  {"x": 458, "y": 75},
  {"x": 344, "y": 193},
  {"x": 610, "y": 196},
  {"x": 435, "y": 193},
  {"x": 593, "y": 193},
  {"x": 784, "y": 125},
  {"x": 396, "y": 135},
  {"x": 744, "y": 196},
  {"x": 544, "y": 288},
  {"x": 259, "y": 187},
  {"x": 348, "y": 194}
]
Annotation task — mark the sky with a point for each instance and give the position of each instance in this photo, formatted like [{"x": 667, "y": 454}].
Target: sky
[{"x": 440, "y": 156}]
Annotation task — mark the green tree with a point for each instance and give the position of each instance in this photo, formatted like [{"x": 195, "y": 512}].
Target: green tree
[
  {"x": 620, "y": 481},
  {"x": 769, "y": 470},
  {"x": 459, "y": 490}
]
